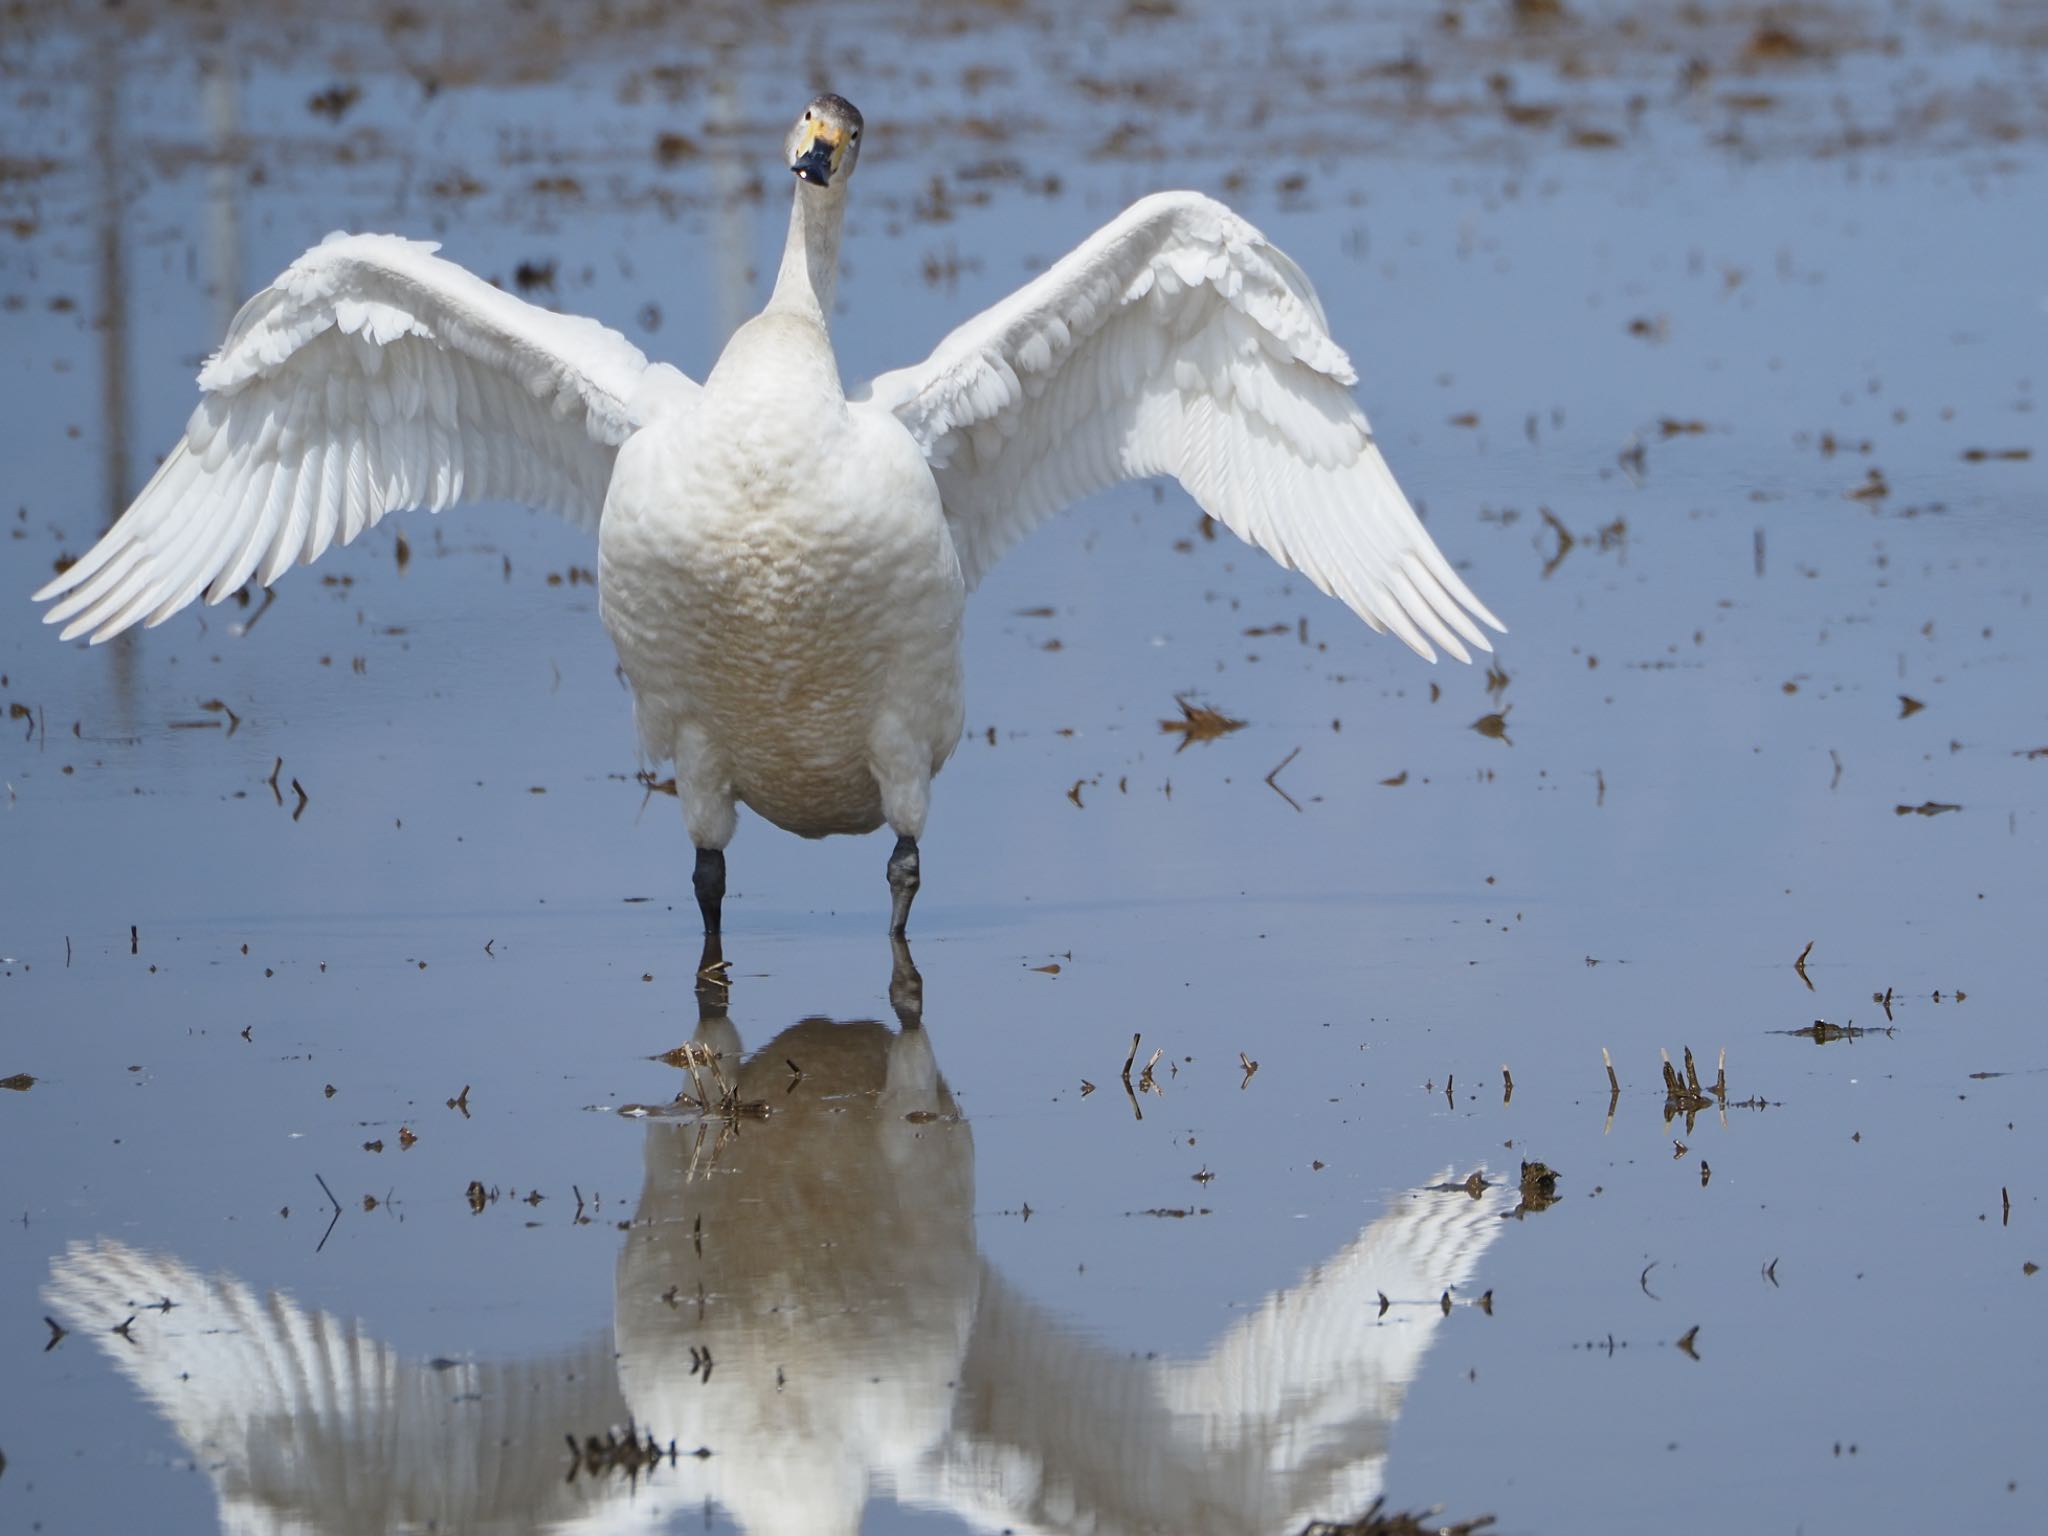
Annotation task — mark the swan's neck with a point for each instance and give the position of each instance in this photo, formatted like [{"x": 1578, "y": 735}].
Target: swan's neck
[{"x": 810, "y": 261}]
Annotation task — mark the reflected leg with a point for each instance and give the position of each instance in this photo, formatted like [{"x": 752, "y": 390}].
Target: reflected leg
[
  {"x": 715, "y": 1029},
  {"x": 902, "y": 884},
  {"x": 714, "y": 991},
  {"x": 906, "y": 986}
]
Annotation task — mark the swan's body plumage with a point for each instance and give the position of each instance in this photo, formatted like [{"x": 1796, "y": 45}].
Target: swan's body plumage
[
  {"x": 783, "y": 562},
  {"x": 794, "y": 646}
]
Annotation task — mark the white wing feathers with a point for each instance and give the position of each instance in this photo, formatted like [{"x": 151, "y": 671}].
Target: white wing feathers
[
  {"x": 371, "y": 377},
  {"x": 1177, "y": 341},
  {"x": 306, "y": 1423}
]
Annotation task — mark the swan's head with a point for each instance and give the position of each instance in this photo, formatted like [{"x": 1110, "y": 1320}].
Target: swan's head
[{"x": 825, "y": 141}]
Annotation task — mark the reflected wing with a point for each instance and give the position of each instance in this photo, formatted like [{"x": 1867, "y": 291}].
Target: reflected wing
[
  {"x": 1319, "y": 1372},
  {"x": 371, "y": 377},
  {"x": 1177, "y": 341},
  {"x": 1284, "y": 1421},
  {"x": 306, "y": 1424}
]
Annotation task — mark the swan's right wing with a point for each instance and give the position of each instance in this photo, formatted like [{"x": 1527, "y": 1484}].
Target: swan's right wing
[{"x": 371, "y": 377}]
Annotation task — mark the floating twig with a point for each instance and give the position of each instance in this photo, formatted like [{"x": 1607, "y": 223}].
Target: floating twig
[
  {"x": 1613, "y": 1090},
  {"x": 1290, "y": 757},
  {"x": 337, "y": 1214}
]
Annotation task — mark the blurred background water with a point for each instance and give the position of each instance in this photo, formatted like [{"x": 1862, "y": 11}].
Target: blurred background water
[{"x": 1706, "y": 335}]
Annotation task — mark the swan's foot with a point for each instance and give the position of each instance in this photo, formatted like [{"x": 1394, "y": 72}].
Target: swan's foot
[
  {"x": 906, "y": 986},
  {"x": 710, "y": 882},
  {"x": 902, "y": 884}
]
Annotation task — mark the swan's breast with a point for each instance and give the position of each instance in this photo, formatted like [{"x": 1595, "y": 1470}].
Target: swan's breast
[{"x": 783, "y": 578}]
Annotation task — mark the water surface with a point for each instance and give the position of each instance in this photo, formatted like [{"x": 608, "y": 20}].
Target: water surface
[{"x": 1710, "y": 344}]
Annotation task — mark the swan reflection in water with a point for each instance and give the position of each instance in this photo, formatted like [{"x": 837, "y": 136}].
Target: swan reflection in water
[{"x": 801, "y": 1295}]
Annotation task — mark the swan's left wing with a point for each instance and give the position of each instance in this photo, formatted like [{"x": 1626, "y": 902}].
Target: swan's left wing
[{"x": 1177, "y": 341}]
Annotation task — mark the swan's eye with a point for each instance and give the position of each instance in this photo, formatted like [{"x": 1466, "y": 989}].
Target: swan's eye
[
  {"x": 807, "y": 114},
  {"x": 855, "y": 135}
]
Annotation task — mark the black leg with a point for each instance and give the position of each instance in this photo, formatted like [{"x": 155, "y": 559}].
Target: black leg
[
  {"x": 710, "y": 883},
  {"x": 902, "y": 884}
]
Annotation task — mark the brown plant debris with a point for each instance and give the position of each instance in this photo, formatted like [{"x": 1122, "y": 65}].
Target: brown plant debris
[
  {"x": 674, "y": 148},
  {"x": 1773, "y": 42},
  {"x": 629, "y": 1454},
  {"x": 1821, "y": 1032},
  {"x": 21, "y": 1082},
  {"x": 1199, "y": 723},
  {"x": 334, "y": 102},
  {"x": 1379, "y": 1521},
  {"x": 1539, "y": 1188},
  {"x": 1925, "y": 808},
  {"x": 1495, "y": 726},
  {"x": 1686, "y": 1095}
]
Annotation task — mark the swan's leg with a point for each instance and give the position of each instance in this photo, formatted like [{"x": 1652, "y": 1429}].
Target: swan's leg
[
  {"x": 710, "y": 812},
  {"x": 709, "y": 879},
  {"x": 902, "y": 884},
  {"x": 903, "y": 772}
]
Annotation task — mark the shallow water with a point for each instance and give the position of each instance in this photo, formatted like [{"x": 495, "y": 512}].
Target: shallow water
[{"x": 1639, "y": 312}]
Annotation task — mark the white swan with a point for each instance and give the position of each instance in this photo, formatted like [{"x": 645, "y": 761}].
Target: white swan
[{"x": 782, "y": 563}]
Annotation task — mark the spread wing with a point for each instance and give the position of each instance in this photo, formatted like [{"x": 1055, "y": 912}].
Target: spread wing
[
  {"x": 1284, "y": 1422},
  {"x": 1177, "y": 341},
  {"x": 371, "y": 377},
  {"x": 306, "y": 1424}
]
